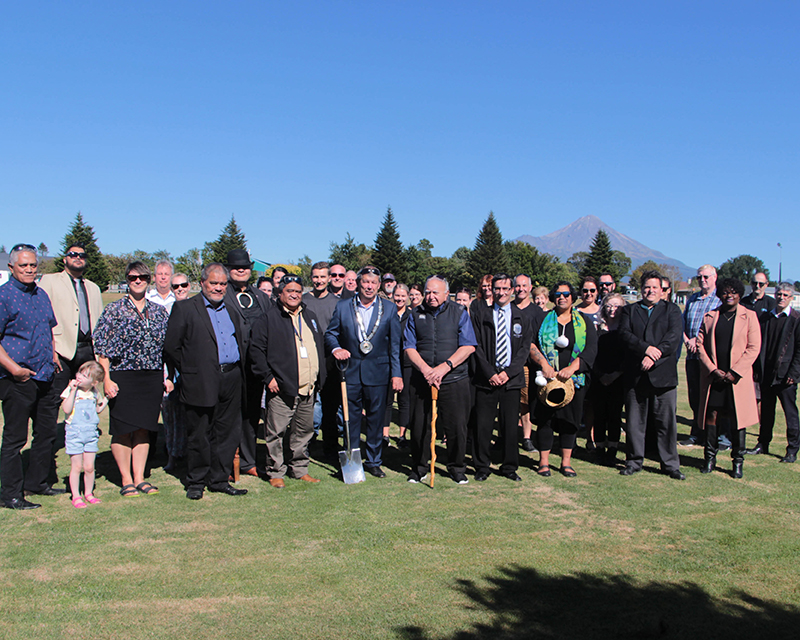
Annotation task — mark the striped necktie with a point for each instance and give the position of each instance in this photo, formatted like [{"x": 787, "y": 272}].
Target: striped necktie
[{"x": 503, "y": 347}]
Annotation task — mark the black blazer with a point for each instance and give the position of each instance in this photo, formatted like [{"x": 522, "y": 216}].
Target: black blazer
[
  {"x": 663, "y": 330},
  {"x": 191, "y": 348},
  {"x": 788, "y": 365},
  {"x": 272, "y": 349},
  {"x": 485, "y": 334}
]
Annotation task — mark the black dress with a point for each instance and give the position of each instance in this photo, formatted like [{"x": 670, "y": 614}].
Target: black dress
[{"x": 720, "y": 394}]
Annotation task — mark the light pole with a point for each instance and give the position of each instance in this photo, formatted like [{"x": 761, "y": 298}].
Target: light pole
[{"x": 780, "y": 264}]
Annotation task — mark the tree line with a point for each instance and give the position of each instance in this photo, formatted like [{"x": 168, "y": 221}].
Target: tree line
[{"x": 410, "y": 263}]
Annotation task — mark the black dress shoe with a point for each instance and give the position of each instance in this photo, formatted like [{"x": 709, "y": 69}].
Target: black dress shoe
[
  {"x": 194, "y": 494},
  {"x": 789, "y": 457},
  {"x": 229, "y": 490},
  {"x": 676, "y": 474},
  {"x": 629, "y": 471},
  {"x": 50, "y": 491},
  {"x": 527, "y": 445},
  {"x": 513, "y": 476},
  {"x": 20, "y": 503},
  {"x": 375, "y": 471},
  {"x": 481, "y": 476},
  {"x": 758, "y": 449}
]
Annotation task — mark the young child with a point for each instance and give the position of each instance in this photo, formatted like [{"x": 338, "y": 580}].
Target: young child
[{"x": 83, "y": 401}]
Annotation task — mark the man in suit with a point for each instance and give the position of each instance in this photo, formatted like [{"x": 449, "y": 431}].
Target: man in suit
[
  {"x": 504, "y": 334},
  {"x": 250, "y": 304},
  {"x": 651, "y": 331},
  {"x": 77, "y": 304},
  {"x": 207, "y": 343},
  {"x": 366, "y": 331},
  {"x": 778, "y": 371},
  {"x": 287, "y": 356}
]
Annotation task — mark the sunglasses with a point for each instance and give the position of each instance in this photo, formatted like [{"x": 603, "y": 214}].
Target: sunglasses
[
  {"x": 76, "y": 254},
  {"x": 337, "y": 275},
  {"x": 565, "y": 294},
  {"x": 369, "y": 270},
  {"x": 180, "y": 285},
  {"x": 23, "y": 247},
  {"x": 606, "y": 284},
  {"x": 758, "y": 284},
  {"x": 134, "y": 277},
  {"x": 704, "y": 277},
  {"x": 589, "y": 290},
  {"x": 291, "y": 278}
]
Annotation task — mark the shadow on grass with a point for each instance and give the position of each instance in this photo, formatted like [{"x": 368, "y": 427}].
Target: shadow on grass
[{"x": 524, "y": 603}]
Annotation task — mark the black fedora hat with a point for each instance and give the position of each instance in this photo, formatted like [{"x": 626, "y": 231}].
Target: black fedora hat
[{"x": 238, "y": 259}]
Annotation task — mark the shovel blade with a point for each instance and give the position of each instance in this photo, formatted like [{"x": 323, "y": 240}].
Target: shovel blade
[{"x": 352, "y": 467}]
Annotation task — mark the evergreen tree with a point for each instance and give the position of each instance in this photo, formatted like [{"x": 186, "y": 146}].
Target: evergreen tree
[
  {"x": 601, "y": 258},
  {"x": 488, "y": 256},
  {"x": 190, "y": 264},
  {"x": 83, "y": 234},
  {"x": 350, "y": 255},
  {"x": 388, "y": 254},
  {"x": 42, "y": 249},
  {"x": 742, "y": 267},
  {"x": 232, "y": 237}
]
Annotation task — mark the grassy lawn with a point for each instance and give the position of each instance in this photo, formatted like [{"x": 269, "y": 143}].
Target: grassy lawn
[{"x": 597, "y": 556}]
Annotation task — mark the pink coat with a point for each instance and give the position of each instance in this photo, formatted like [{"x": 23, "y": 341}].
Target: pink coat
[{"x": 745, "y": 347}]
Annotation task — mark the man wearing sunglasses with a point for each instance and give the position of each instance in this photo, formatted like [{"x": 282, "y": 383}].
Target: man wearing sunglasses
[
  {"x": 758, "y": 300},
  {"x": 366, "y": 332},
  {"x": 698, "y": 305},
  {"x": 250, "y": 304},
  {"x": 27, "y": 367},
  {"x": 77, "y": 305}
]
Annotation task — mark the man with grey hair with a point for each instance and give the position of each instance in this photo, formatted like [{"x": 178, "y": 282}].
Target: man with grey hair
[
  {"x": 27, "y": 367},
  {"x": 207, "y": 342},
  {"x": 698, "y": 305},
  {"x": 758, "y": 300},
  {"x": 439, "y": 338},
  {"x": 777, "y": 371},
  {"x": 162, "y": 293}
]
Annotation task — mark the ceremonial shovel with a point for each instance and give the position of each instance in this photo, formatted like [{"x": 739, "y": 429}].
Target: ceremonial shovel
[{"x": 350, "y": 459}]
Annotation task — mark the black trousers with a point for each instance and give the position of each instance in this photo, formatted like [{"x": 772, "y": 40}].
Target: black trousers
[
  {"x": 247, "y": 445},
  {"x": 693, "y": 388},
  {"x": 501, "y": 403},
  {"x": 213, "y": 434},
  {"x": 608, "y": 404},
  {"x": 453, "y": 408},
  {"x": 712, "y": 442},
  {"x": 647, "y": 405},
  {"x": 787, "y": 394},
  {"x": 21, "y": 402}
]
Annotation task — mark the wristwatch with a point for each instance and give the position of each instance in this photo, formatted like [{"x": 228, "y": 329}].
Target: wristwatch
[{"x": 450, "y": 364}]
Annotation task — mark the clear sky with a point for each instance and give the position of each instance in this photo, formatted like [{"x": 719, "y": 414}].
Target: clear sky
[{"x": 674, "y": 122}]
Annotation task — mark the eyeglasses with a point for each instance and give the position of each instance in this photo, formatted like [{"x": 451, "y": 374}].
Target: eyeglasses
[
  {"x": 565, "y": 294},
  {"x": 133, "y": 277},
  {"x": 606, "y": 284},
  {"x": 590, "y": 291},
  {"x": 23, "y": 247},
  {"x": 76, "y": 254},
  {"x": 755, "y": 283},
  {"x": 180, "y": 285},
  {"x": 337, "y": 275},
  {"x": 783, "y": 294},
  {"x": 291, "y": 278}
]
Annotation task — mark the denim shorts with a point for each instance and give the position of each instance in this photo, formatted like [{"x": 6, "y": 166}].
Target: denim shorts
[{"x": 81, "y": 439}]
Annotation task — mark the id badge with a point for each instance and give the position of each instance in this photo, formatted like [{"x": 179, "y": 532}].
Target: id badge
[{"x": 303, "y": 352}]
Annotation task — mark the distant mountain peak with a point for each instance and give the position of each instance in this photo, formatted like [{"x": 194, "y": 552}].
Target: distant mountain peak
[{"x": 578, "y": 236}]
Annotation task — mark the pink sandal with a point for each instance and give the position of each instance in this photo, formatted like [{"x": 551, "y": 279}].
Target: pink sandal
[
  {"x": 92, "y": 500},
  {"x": 78, "y": 503}
]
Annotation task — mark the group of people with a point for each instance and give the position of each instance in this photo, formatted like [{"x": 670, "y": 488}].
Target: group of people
[{"x": 214, "y": 365}]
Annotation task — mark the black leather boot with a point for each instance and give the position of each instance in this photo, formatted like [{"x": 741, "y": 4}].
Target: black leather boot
[
  {"x": 710, "y": 465},
  {"x": 737, "y": 468}
]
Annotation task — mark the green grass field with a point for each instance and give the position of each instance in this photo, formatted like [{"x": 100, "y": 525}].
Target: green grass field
[{"x": 597, "y": 556}]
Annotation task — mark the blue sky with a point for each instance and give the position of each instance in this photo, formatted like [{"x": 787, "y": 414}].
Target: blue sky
[{"x": 674, "y": 122}]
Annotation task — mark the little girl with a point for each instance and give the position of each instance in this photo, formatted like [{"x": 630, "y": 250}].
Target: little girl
[{"x": 83, "y": 401}]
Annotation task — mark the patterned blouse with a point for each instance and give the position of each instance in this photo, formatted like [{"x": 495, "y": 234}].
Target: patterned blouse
[{"x": 131, "y": 341}]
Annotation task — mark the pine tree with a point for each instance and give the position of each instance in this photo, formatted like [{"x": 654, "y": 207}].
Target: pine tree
[
  {"x": 83, "y": 234},
  {"x": 232, "y": 237},
  {"x": 488, "y": 256},
  {"x": 601, "y": 259},
  {"x": 388, "y": 254}
]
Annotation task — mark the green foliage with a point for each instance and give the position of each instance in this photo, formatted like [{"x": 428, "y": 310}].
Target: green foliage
[
  {"x": 388, "y": 254},
  {"x": 578, "y": 261},
  {"x": 232, "y": 237},
  {"x": 488, "y": 256},
  {"x": 190, "y": 264},
  {"x": 742, "y": 267},
  {"x": 42, "y": 249},
  {"x": 83, "y": 234},
  {"x": 666, "y": 270},
  {"x": 349, "y": 254},
  {"x": 601, "y": 258},
  {"x": 305, "y": 268}
]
